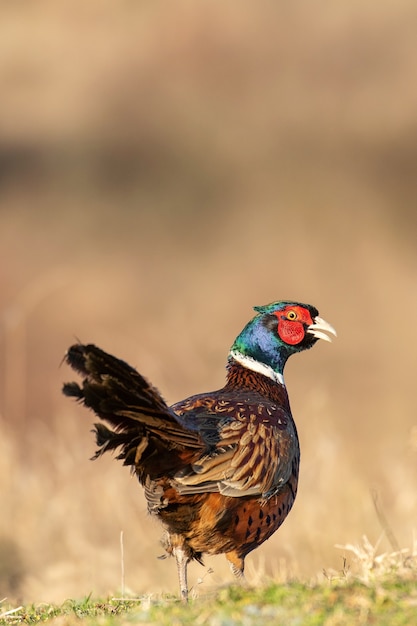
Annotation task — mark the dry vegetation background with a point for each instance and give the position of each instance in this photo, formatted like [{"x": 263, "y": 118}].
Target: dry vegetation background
[{"x": 163, "y": 168}]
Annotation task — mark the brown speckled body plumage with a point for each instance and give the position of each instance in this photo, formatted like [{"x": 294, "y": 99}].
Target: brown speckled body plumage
[{"x": 252, "y": 416}]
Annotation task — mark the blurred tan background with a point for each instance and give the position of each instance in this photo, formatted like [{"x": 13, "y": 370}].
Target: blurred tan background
[{"x": 163, "y": 168}]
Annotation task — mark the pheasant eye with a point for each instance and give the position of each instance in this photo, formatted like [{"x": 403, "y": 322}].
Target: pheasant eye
[{"x": 291, "y": 315}]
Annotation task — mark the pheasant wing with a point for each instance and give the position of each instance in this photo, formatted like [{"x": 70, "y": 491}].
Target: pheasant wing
[{"x": 253, "y": 454}]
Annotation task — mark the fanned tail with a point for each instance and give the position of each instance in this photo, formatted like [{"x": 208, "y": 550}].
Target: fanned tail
[{"x": 144, "y": 426}]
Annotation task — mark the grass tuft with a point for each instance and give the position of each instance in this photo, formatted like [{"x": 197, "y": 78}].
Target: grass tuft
[{"x": 373, "y": 566}]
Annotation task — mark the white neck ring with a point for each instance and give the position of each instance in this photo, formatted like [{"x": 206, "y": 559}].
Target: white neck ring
[{"x": 257, "y": 366}]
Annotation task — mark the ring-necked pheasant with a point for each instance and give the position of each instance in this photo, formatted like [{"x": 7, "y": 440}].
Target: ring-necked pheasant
[{"x": 220, "y": 469}]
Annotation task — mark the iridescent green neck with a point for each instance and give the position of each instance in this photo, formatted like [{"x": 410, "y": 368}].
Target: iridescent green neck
[{"x": 262, "y": 346}]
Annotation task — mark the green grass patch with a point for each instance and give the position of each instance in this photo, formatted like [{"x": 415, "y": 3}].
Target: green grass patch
[{"x": 391, "y": 602}]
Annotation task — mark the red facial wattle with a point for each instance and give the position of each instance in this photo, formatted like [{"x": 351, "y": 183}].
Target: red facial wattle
[
  {"x": 291, "y": 324},
  {"x": 290, "y": 332}
]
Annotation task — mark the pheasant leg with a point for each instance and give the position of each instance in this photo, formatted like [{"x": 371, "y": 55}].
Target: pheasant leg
[{"x": 182, "y": 561}]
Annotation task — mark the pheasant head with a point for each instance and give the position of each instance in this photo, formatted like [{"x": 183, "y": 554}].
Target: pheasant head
[{"x": 278, "y": 330}]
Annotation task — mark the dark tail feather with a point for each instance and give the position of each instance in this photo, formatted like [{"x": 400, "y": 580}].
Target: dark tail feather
[
  {"x": 113, "y": 389},
  {"x": 111, "y": 379},
  {"x": 144, "y": 426},
  {"x": 107, "y": 441},
  {"x": 72, "y": 390}
]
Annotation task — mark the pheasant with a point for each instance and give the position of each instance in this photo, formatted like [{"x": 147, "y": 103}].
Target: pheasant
[{"x": 219, "y": 469}]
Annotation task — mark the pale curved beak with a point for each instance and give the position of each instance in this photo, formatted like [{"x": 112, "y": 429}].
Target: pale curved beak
[{"x": 320, "y": 327}]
